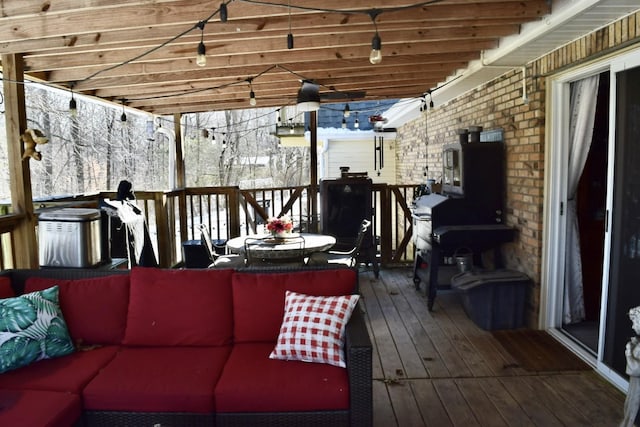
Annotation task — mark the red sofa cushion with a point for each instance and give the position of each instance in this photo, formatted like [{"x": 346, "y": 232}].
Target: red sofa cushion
[
  {"x": 69, "y": 373},
  {"x": 158, "y": 379},
  {"x": 6, "y": 291},
  {"x": 179, "y": 307},
  {"x": 251, "y": 382},
  {"x": 39, "y": 408},
  {"x": 95, "y": 309},
  {"x": 258, "y": 299}
]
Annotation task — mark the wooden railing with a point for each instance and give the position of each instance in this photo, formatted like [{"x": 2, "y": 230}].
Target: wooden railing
[{"x": 173, "y": 217}]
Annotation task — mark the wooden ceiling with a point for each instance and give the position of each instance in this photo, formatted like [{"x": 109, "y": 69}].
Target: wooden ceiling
[{"x": 144, "y": 52}]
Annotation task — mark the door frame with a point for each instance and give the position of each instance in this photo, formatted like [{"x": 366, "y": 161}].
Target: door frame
[{"x": 555, "y": 190}]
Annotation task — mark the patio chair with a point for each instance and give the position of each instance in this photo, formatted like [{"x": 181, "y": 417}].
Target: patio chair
[
  {"x": 219, "y": 261},
  {"x": 348, "y": 258},
  {"x": 264, "y": 252}
]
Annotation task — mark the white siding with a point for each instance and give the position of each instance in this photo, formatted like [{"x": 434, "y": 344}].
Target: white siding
[{"x": 358, "y": 154}]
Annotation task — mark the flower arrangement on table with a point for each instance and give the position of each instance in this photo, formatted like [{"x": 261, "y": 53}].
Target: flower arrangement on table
[{"x": 279, "y": 227}]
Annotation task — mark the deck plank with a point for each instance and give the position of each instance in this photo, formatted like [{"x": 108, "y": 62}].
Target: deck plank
[
  {"x": 480, "y": 404},
  {"x": 421, "y": 339},
  {"x": 429, "y": 404},
  {"x": 456, "y": 374},
  {"x": 446, "y": 350},
  {"x": 454, "y": 402},
  {"x": 385, "y": 347},
  {"x": 508, "y": 407}
]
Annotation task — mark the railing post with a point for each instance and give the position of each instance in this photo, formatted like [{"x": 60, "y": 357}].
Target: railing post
[
  {"x": 164, "y": 236},
  {"x": 234, "y": 212},
  {"x": 385, "y": 225}
]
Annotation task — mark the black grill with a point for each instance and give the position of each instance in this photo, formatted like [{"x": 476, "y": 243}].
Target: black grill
[{"x": 467, "y": 215}]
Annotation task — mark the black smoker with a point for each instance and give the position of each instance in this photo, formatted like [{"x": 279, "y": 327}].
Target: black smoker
[{"x": 468, "y": 214}]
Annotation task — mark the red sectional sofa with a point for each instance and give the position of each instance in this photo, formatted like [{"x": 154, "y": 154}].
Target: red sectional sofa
[{"x": 185, "y": 347}]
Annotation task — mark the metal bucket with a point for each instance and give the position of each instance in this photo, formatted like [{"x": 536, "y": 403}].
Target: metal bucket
[{"x": 463, "y": 258}]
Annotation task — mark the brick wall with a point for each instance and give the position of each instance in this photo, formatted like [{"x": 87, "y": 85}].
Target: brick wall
[{"x": 500, "y": 104}]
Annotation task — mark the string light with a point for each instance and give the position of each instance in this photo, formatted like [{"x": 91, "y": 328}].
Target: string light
[
  {"x": 344, "y": 123},
  {"x": 290, "y": 35},
  {"x": 223, "y": 12},
  {"x": 252, "y": 95},
  {"x": 73, "y": 106},
  {"x": 123, "y": 116},
  {"x": 201, "y": 58},
  {"x": 346, "y": 112},
  {"x": 356, "y": 124},
  {"x": 375, "y": 57}
]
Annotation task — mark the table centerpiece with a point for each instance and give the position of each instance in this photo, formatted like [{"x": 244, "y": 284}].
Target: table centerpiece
[{"x": 279, "y": 228}]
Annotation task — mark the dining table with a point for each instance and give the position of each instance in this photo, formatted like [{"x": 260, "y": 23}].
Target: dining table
[{"x": 268, "y": 247}]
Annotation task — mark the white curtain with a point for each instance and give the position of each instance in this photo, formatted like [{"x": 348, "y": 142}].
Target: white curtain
[{"x": 584, "y": 95}]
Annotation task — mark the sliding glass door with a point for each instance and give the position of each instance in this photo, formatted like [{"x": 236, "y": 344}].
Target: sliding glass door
[{"x": 624, "y": 262}]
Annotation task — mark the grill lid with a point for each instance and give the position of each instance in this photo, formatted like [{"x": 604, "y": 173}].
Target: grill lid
[{"x": 424, "y": 204}]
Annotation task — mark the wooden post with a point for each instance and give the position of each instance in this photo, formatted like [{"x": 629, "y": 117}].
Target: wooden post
[
  {"x": 313, "y": 176},
  {"x": 181, "y": 177},
  {"x": 26, "y": 247},
  {"x": 180, "y": 173}
]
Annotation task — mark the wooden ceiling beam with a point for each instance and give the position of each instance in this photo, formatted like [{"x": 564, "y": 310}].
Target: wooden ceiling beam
[{"x": 116, "y": 16}]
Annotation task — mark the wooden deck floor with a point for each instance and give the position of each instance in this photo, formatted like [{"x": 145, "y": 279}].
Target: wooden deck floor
[{"x": 439, "y": 369}]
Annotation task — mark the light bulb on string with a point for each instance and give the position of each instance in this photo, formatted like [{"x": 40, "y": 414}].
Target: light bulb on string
[
  {"x": 223, "y": 12},
  {"x": 201, "y": 57},
  {"x": 290, "y": 35},
  {"x": 344, "y": 123},
  {"x": 356, "y": 124},
  {"x": 123, "y": 116},
  {"x": 252, "y": 94},
  {"x": 375, "y": 57},
  {"x": 346, "y": 112},
  {"x": 73, "y": 106}
]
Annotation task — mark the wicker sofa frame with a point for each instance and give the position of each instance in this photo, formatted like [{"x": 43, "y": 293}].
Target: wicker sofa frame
[{"x": 358, "y": 353}]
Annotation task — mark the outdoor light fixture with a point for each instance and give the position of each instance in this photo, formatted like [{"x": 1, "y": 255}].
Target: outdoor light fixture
[
  {"x": 375, "y": 57},
  {"x": 252, "y": 94},
  {"x": 223, "y": 12},
  {"x": 201, "y": 58},
  {"x": 346, "y": 112},
  {"x": 344, "y": 123},
  {"x": 308, "y": 97},
  {"x": 356, "y": 124},
  {"x": 290, "y": 35},
  {"x": 123, "y": 116},
  {"x": 73, "y": 106}
]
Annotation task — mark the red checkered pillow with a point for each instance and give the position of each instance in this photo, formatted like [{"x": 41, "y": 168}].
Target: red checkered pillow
[{"x": 313, "y": 328}]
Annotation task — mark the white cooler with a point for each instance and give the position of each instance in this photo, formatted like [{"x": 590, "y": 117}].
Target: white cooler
[{"x": 69, "y": 237}]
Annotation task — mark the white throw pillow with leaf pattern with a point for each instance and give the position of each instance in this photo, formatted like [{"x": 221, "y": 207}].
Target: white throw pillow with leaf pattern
[{"x": 32, "y": 328}]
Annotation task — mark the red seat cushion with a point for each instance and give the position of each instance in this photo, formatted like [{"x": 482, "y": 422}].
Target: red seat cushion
[
  {"x": 258, "y": 299},
  {"x": 6, "y": 291},
  {"x": 158, "y": 379},
  {"x": 251, "y": 382},
  {"x": 179, "y": 307},
  {"x": 95, "y": 309},
  {"x": 39, "y": 408},
  {"x": 68, "y": 373}
]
